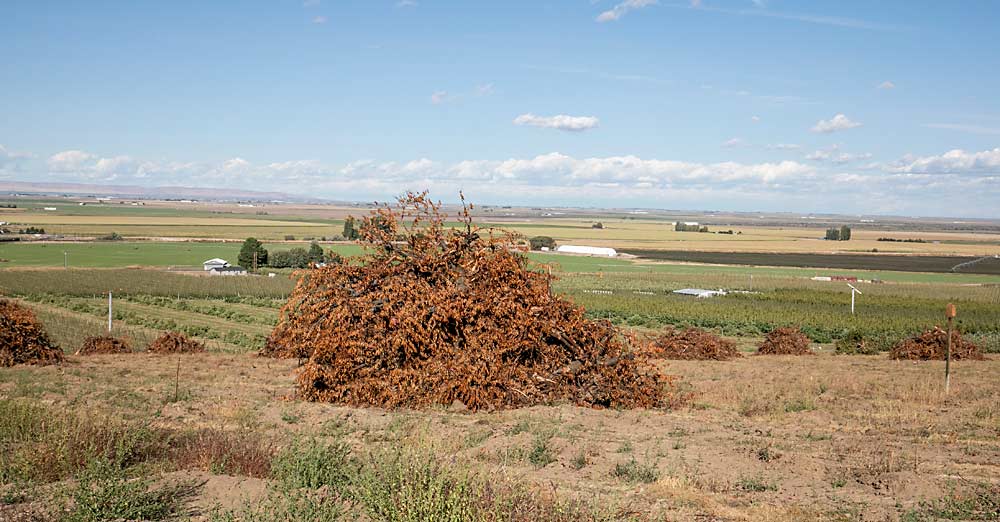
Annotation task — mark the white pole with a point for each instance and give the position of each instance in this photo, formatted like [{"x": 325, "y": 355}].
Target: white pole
[
  {"x": 852, "y": 301},
  {"x": 109, "y": 313}
]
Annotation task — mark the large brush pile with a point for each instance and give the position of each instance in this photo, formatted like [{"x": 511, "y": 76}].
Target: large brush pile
[
  {"x": 175, "y": 342},
  {"x": 103, "y": 344},
  {"x": 932, "y": 345},
  {"x": 434, "y": 315},
  {"x": 785, "y": 341},
  {"x": 23, "y": 339},
  {"x": 692, "y": 344}
]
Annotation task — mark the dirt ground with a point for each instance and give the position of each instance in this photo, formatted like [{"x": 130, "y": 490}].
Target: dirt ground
[{"x": 762, "y": 438}]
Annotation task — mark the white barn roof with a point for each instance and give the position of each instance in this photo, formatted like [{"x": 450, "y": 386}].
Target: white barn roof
[
  {"x": 699, "y": 292},
  {"x": 587, "y": 250}
]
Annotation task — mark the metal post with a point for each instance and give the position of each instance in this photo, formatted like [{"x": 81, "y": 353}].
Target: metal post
[
  {"x": 65, "y": 260},
  {"x": 109, "y": 313},
  {"x": 852, "y": 301}
]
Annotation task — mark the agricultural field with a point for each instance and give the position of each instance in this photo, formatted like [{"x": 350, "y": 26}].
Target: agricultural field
[{"x": 832, "y": 436}]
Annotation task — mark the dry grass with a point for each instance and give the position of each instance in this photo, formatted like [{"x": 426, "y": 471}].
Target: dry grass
[{"x": 765, "y": 438}]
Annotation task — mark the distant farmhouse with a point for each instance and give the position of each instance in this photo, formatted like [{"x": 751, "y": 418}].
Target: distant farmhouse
[
  {"x": 228, "y": 271},
  {"x": 587, "y": 250},
  {"x": 218, "y": 266},
  {"x": 212, "y": 264}
]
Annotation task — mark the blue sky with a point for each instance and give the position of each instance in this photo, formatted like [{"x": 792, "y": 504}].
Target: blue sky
[{"x": 861, "y": 107}]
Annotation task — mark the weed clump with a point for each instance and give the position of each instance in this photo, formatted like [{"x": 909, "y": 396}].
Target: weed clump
[
  {"x": 785, "y": 341},
  {"x": 856, "y": 343},
  {"x": 434, "y": 314},
  {"x": 175, "y": 342},
  {"x": 103, "y": 344},
  {"x": 23, "y": 339},
  {"x": 932, "y": 345},
  {"x": 692, "y": 344}
]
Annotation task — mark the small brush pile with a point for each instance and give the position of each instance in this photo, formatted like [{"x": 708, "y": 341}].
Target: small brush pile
[
  {"x": 692, "y": 344},
  {"x": 175, "y": 342},
  {"x": 785, "y": 341},
  {"x": 103, "y": 344},
  {"x": 23, "y": 339},
  {"x": 434, "y": 314},
  {"x": 933, "y": 344}
]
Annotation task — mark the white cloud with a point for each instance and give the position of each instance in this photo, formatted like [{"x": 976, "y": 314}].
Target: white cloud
[
  {"x": 837, "y": 123},
  {"x": 484, "y": 89},
  {"x": 559, "y": 121},
  {"x": 955, "y": 161},
  {"x": 732, "y": 142},
  {"x": 913, "y": 185},
  {"x": 974, "y": 129},
  {"x": 310, "y": 3},
  {"x": 755, "y": 119},
  {"x": 886, "y": 85},
  {"x": 439, "y": 97},
  {"x": 407, "y": 3},
  {"x": 9, "y": 157},
  {"x": 70, "y": 161},
  {"x": 618, "y": 11},
  {"x": 783, "y": 146},
  {"x": 319, "y": 19},
  {"x": 834, "y": 155}
]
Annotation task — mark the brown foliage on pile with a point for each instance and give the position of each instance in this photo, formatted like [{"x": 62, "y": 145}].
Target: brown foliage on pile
[
  {"x": 23, "y": 339},
  {"x": 692, "y": 344},
  {"x": 433, "y": 315},
  {"x": 932, "y": 345},
  {"x": 785, "y": 341},
  {"x": 99, "y": 344},
  {"x": 175, "y": 342}
]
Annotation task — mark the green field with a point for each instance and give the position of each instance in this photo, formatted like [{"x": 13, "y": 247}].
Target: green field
[
  {"x": 111, "y": 254},
  {"x": 116, "y": 254}
]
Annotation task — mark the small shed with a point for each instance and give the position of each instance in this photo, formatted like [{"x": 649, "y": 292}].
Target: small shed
[
  {"x": 212, "y": 264},
  {"x": 587, "y": 250}
]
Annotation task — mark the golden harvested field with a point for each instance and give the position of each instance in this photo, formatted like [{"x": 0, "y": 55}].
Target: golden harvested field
[
  {"x": 625, "y": 234},
  {"x": 763, "y": 438}
]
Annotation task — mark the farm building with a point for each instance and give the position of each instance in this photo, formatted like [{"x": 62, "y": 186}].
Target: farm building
[
  {"x": 699, "y": 292},
  {"x": 228, "y": 271},
  {"x": 215, "y": 263},
  {"x": 587, "y": 250}
]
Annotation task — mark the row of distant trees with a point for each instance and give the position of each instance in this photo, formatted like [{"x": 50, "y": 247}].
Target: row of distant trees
[
  {"x": 838, "y": 234},
  {"x": 297, "y": 257}
]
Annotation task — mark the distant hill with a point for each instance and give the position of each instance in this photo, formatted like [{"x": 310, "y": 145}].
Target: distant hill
[{"x": 142, "y": 192}]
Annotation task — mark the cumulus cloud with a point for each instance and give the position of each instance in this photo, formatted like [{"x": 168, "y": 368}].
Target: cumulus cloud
[
  {"x": 70, "y": 161},
  {"x": 407, "y": 3},
  {"x": 755, "y": 119},
  {"x": 833, "y": 154},
  {"x": 484, "y": 89},
  {"x": 912, "y": 184},
  {"x": 732, "y": 142},
  {"x": 886, "y": 85},
  {"x": 319, "y": 19},
  {"x": 560, "y": 121},
  {"x": 955, "y": 161},
  {"x": 837, "y": 123},
  {"x": 620, "y": 10},
  {"x": 439, "y": 97}
]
